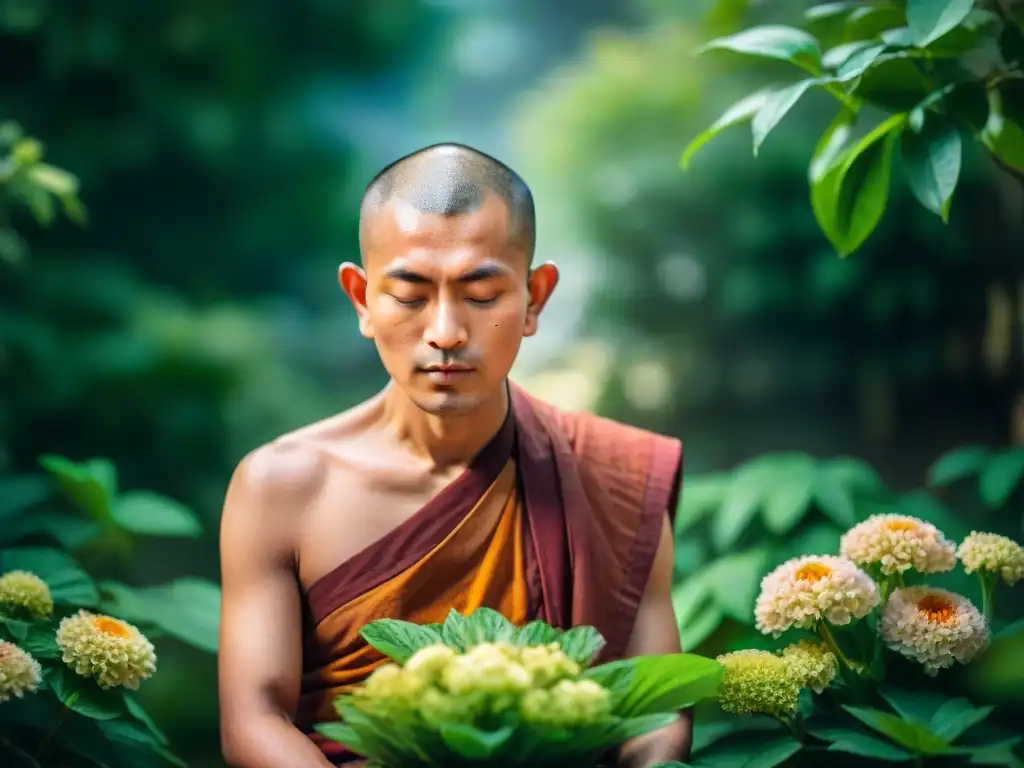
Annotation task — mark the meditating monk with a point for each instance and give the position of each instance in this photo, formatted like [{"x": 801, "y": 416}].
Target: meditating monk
[{"x": 451, "y": 488}]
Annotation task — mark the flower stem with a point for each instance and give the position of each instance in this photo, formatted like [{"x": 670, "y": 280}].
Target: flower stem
[
  {"x": 65, "y": 710},
  {"x": 830, "y": 640},
  {"x": 988, "y": 594}
]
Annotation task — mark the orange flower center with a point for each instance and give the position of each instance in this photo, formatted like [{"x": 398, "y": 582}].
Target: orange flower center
[
  {"x": 938, "y": 610},
  {"x": 109, "y": 626},
  {"x": 814, "y": 572},
  {"x": 901, "y": 525}
]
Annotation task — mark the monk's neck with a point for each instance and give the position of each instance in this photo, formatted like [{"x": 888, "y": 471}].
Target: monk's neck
[{"x": 444, "y": 441}]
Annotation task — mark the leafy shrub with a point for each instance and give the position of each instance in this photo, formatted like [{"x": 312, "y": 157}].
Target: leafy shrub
[{"x": 69, "y": 658}]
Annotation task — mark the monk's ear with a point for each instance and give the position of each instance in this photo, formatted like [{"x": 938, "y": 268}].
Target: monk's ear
[
  {"x": 542, "y": 284},
  {"x": 353, "y": 282}
]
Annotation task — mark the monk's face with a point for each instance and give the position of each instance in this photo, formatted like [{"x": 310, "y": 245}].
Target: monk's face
[{"x": 447, "y": 300}]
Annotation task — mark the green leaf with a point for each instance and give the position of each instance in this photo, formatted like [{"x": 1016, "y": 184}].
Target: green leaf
[
  {"x": 835, "y": 500},
  {"x": 581, "y": 644},
  {"x": 41, "y": 641},
  {"x": 155, "y": 515},
  {"x": 835, "y": 57},
  {"x": 342, "y": 733},
  {"x": 694, "y": 632},
  {"x": 776, "y": 106},
  {"x": 772, "y": 42},
  {"x": 749, "y": 486},
  {"x": 187, "y": 608},
  {"x": 536, "y": 633},
  {"x": 748, "y": 749},
  {"x": 702, "y": 494},
  {"x": 485, "y": 625},
  {"x": 893, "y": 82},
  {"x": 852, "y": 473},
  {"x": 932, "y": 158},
  {"x": 68, "y": 531},
  {"x": 617, "y": 676},
  {"x": 849, "y": 199},
  {"x": 669, "y": 683},
  {"x": 735, "y": 581},
  {"x": 861, "y": 744},
  {"x": 1000, "y": 476},
  {"x": 137, "y": 711},
  {"x": 912, "y": 736},
  {"x": 931, "y": 19},
  {"x": 958, "y": 464},
  {"x": 917, "y": 705},
  {"x": 453, "y": 631},
  {"x": 83, "y": 695},
  {"x": 1002, "y": 136},
  {"x": 790, "y": 499},
  {"x": 955, "y": 717},
  {"x": 829, "y": 10},
  {"x": 741, "y": 111},
  {"x": 473, "y": 743},
  {"x": 830, "y": 146},
  {"x": 398, "y": 640},
  {"x": 968, "y": 103},
  {"x": 68, "y": 583},
  {"x": 1014, "y": 628},
  {"x": 91, "y": 485},
  {"x": 859, "y": 62}
]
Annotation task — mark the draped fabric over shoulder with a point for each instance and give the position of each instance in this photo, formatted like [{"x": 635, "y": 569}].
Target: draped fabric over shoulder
[{"x": 557, "y": 518}]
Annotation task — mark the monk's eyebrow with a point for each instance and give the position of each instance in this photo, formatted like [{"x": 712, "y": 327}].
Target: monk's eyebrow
[
  {"x": 406, "y": 275},
  {"x": 484, "y": 272}
]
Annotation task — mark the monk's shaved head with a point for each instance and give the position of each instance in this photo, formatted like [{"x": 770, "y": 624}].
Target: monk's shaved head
[{"x": 451, "y": 180}]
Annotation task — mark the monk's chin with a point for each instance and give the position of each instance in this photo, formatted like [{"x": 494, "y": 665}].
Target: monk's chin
[{"x": 449, "y": 402}]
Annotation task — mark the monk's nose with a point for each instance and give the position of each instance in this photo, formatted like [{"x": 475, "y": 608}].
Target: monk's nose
[{"x": 446, "y": 329}]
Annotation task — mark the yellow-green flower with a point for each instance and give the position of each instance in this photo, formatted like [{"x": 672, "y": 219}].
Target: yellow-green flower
[
  {"x": 547, "y": 664},
  {"x": 569, "y": 703},
  {"x": 19, "y": 672},
  {"x": 24, "y": 595},
  {"x": 993, "y": 553},
  {"x": 486, "y": 668},
  {"x": 430, "y": 662},
  {"x": 811, "y": 664},
  {"x": 757, "y": 682},
  {"x": 113, "y": 652}
]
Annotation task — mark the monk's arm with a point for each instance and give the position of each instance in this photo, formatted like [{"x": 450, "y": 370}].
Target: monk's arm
[
  {"x": 656, "y": 632},
  {"x": 260, "y": 658}
]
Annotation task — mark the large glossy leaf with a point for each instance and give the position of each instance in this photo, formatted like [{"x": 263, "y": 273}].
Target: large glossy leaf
[
  {"x": 958, "y": 464},
  {"x": 68, "y": 583},
  {"x": 748, "y": 749},
  {"x": 669, "y": 683},
  {"x": 772, "y": 42},
  {"x": 932, "y": 157},
  {"x": 581, "y": 644},
  {"x": 1000, "y": 476},
  {"x": 776, "y": 106},
  {"x": 188, "y": 609},
  {"x": 83, "y": 694},
  {"x": 931, "y": 19},
  {"x": 850, "y": 198},
  {"x": 474, "y": 743},
  {"x": 750, "y": 484},
  {"x": 91, "y": 485},
  {"x": 910, "y": 735},
  {"x": 736, "y": 581},
  {"x": 399, "y": 640},
  {"x": 740, "y": 112},
  {"x": 862, "y": 744},
  {"x": 155, "y": 515},
  {"x": 485, "y": 625}
]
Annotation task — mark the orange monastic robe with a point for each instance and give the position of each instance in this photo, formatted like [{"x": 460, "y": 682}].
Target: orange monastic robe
[{"x": 558, "y": 518}]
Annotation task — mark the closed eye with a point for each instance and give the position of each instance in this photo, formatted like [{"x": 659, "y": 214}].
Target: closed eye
[
  {"x": 406, "y": 302},
  {"x": 485, "y": 302}
]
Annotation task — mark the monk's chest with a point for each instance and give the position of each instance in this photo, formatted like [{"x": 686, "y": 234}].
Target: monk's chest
[{"x": 357, "y": 509}]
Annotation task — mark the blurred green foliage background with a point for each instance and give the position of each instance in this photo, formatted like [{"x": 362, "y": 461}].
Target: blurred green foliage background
[{"x": 186, "y": 309}]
